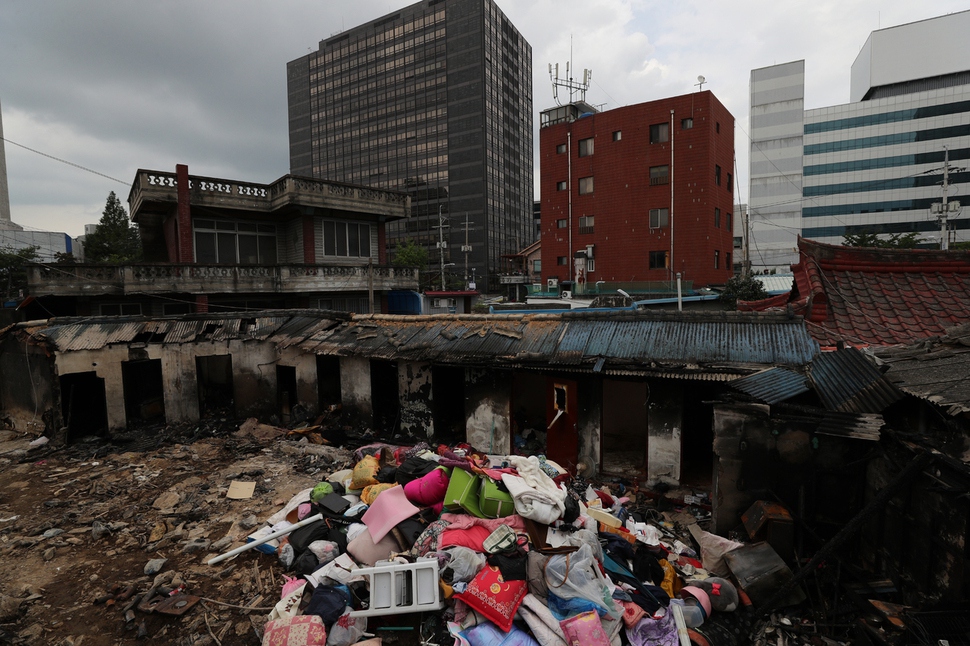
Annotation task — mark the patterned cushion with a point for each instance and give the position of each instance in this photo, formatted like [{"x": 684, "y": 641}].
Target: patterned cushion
[
  {"x": 302, "y": 630},
  {"x": 494, "y": 597}
]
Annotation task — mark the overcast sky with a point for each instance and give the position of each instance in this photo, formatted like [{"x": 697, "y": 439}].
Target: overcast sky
[{"x": 114, "y": 85}]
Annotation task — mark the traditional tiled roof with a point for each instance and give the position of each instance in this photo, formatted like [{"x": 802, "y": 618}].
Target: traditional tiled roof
[{"x": 880, "y": 297}]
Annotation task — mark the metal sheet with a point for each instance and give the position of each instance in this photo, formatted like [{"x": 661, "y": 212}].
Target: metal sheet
[
  {"x": 848, "y": 382},
  {"x": 773, "y": 385}
]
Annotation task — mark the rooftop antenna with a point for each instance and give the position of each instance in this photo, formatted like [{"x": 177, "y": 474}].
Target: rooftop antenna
[
  {"x": 575, "y": 87},
  {"x": 700, "y": 83}
]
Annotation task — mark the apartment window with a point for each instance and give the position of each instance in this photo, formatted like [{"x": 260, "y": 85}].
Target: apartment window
[
  {"x": 560, "y": 186},
  {"x": 738, "y": 241},
  {"x": 231, "y": 243},
  {"x": 585, "y": 185},
  {"x": 730, "y": 183},
  {"x": 562, "y": 261},
  {"x": 717, "y": 126},
  {"x": 561, "y": 223},
  {"x": 617, "y": 135},
  {"x": 586, "y": 224},
  {"x": 717, "y": 174},
  {"x": 659, "y": 175},
  {"x": 586, "y": 147},
  {"x": 727, "y": 261},
  {"x": 717, "y": 259},
  {"x": 659, "y": 133},
  {"x": 658, "y": 259},
  {"x": 717, "y": 218},
  {"x": 537, "y": 267},
  {"x": 346, "y": 239},
  {"x": 727, "y": 217},
  {"x": 659, "y": 218},
  {"x": 686, "y": 124},
  {"x": 560, "y": 149},
  {"x": 590, "y": 265}
]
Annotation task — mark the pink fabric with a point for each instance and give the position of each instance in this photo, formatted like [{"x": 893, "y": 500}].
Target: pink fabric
[
  {"x": 585, "y": 629},
  {"x": 387, "y": 510},
  {"x": 302, "y": 630},
  {"x": 471, "y": 532},
  {"x": 429, "y": 489}
]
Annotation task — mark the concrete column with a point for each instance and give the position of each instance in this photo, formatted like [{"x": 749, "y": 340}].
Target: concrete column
[
  {"x": 355, "y": 390},
  {"x": 487, "y": 409}
]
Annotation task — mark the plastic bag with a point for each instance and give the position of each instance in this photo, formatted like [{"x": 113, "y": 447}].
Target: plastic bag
[
  {"x": 577, "y": 576},
  {"x": 346, "y": 630},
  {"x": 463, "y": 564},
  {"x": 325, "y": 551}
]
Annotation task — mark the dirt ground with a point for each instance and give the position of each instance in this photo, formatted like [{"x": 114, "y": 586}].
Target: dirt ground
[{"x": 80, "y": 524}]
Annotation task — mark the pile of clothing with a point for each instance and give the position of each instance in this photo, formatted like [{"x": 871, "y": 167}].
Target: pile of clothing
[{"x": 524, "y": 554}]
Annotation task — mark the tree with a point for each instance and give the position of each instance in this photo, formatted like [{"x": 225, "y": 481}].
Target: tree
[
  {"x": 409, "y": 254},
  {"x": 869, "y": 239},
  {"x": 115, "y": 240},
  {"x": 742, "y": 288},
  {"x": 13, "y": 272}
]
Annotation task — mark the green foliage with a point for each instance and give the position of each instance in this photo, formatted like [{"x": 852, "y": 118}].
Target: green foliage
[
  {"x": 742, "y": 288},
  {"x": 894, "y": 241},
  {"x": 115, "y": 240},
  {"x": 13, "y": 272},
  {"x": 409, "y": 254}
]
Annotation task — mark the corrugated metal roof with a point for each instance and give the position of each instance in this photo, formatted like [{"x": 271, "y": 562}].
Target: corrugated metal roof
[
  {"x": 91, "y": 336},
  {"x": 848, "y": 382},
  {"x": 773, "y": 385},
  {"x": 857, "y": 426}
]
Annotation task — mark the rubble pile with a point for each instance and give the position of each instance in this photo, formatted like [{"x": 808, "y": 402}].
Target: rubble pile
[{"x": 262, "y": 534}]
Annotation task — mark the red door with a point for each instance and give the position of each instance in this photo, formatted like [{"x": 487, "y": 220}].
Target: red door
[{"x": 562, "y": 440}]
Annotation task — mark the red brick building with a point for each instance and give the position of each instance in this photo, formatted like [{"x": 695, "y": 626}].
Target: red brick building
[{"x": 617, "y": 185}]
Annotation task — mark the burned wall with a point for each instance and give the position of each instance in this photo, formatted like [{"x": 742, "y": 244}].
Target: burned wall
[
  {"x": 414, "y": 388},
  {"x": 28, "y": 386},
  {"x": 106, "y": 364},
  {"x": 306, "y": 379},
  {"x": 488, "y": 396},
  {"x": 590, "y": 399},
  {"x": 355, "y": 390},
  {"x": 664, "y": 427}
]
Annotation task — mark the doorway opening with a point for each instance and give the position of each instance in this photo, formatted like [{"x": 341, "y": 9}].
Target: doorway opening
[
  {"x": 623, "y": 449},
  {"x": 144, "y": 393},
  {"x": 448, "y": 403},
  {"x": 384, "y": 398},
  {"x": 286, "y": 397},
  {"x": 697, "y": 438},
  {"x": 214, "y": 374},
  {"x": 328, "y": 382},
  {"x": 528, "y": 413},
  {"x": 83, "y": 405}
]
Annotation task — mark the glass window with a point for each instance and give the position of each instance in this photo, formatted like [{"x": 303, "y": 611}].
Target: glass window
[
  {"x": 617, "y": 135},
  {"x": 728, "y": 218},
  {"x": 717, "y": 218},
  {"x": 560, "y": 149},
  {"x": 536, "y": 266},
  {"x": 659, "y": 218},
  {"x": 659, "y": 175},
  {"x": 730, "y": 183},
  {"x": 586, "y": 224},
  {"x": 561, "y": 223},
  {"x": 205, "y": 248},
  {"x": 717, "y": 174},
  {"x": 585, "y": 185},
  {"x": 346, "y": 239},
  {"x": 586, "y": 147},
  {"x": 686, "y": 124},
  {"x": 717, "y": 260},
  {"x": 560, "y": 186},
  {"x": 561, "y": 260},
  {"x": 227, "y": 242},
  {"x": 659, "y": 133},
  {"x": 727, "y": 261},
  {"x": 658, "y": 259}
]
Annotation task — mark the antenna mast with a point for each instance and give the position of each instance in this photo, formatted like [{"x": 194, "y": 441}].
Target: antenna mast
[{"x": 575, "y": 87}]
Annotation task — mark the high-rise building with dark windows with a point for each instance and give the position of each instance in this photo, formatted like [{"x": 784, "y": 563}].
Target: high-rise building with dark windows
[{"x": 434, "y": 99}]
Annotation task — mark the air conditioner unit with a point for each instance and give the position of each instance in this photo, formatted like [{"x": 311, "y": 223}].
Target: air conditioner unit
[
  {"x": 552, "y": 283},
  {"x": 566, "y": 294}
]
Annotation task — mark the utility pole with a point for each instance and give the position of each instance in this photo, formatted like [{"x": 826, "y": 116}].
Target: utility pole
[
  {"x": 466, "y": 248},
  {"x": 441, "y": 246},
  {"x": 944, "y": 210},
  {"x": 746, "y": 243}
]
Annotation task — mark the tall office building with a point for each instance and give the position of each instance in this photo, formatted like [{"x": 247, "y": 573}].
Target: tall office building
[
  {"x": 434, "y": 100},
  {"x": 873, "y": 165}
]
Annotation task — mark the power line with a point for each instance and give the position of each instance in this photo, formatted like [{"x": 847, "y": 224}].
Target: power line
[{"x": 64, "y": 161}]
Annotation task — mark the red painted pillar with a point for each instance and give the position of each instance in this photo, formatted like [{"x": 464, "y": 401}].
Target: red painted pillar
[
  {"x": 184, "y": 226},
  {"x": 309, "y": 242},
  {"x": 202, "y": 304}
]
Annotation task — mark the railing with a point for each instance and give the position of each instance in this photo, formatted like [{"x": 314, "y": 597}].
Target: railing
[{"x": 73, "y": 280}]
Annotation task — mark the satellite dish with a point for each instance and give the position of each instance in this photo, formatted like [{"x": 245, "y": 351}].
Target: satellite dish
[{"x": 701, "y": 79}]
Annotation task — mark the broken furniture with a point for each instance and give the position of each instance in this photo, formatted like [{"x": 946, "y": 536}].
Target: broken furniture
[{"x": 398, "y": 588}]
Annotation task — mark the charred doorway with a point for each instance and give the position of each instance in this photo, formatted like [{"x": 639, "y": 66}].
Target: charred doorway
[
  {"x": 144, "y": 393},
  {"x": 697, "y": 452},
  {"x": 328, "y": 382},
  {"x": 562, "y": 413},
  {"x": 286, "y": 397},
  {"x": 528, "y": 413},
  {"x": 83, "y": 405},
  {"x": 384, "y": 398},
  {"x": 623, "y": 449},
  {"x": 448, "y": 402},
  {"x": 214, "y": 374}
]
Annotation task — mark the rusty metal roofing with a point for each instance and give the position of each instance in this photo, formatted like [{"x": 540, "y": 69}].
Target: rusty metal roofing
[
  {"x": 935, "y": 369},
  {"x": 847, "y": 381},
  {"x": 859, "y": 426},
  {"x": 773, "y": 385}
]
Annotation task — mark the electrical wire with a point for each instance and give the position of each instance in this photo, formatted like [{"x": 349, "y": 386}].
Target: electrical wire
[{"x": 64, "y": 161}]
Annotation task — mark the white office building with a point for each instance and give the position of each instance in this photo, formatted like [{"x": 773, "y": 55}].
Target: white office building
[{"x": 873, "y": 165}]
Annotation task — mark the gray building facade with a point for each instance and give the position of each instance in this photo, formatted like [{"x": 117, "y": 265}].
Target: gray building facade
[{"x": 436, "y": 100}]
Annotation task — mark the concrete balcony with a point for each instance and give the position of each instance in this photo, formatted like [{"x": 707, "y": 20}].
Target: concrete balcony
[{"x": 104, "y": 280}]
